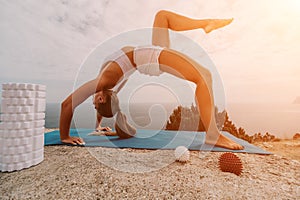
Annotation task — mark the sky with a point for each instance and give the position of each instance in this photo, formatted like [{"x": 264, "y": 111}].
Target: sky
[{"x": 255, "y": 58}]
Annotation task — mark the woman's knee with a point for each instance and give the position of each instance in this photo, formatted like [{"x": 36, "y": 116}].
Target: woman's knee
[
  {"x": 205, "y": 78},
  {"x": 206, "y": 75},
  {"x": 161, "y": 14},
  {"x": 161, "y": 17}
]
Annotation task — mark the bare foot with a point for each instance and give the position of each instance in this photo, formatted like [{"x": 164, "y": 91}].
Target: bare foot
[
  {"x": 224, "y": 142},
  {"x": 214, "y": 24}
]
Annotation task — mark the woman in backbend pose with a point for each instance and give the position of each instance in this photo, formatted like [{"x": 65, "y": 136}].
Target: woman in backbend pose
[{"x": 151, "y": 60}]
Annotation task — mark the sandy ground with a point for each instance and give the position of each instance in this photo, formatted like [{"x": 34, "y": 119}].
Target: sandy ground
[{"x": 75, "y": 173}]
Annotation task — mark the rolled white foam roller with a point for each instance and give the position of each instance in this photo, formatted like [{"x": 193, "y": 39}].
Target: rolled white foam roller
[
  {"x": 22, "y": 86},
  {"x": 14, "y": 117},
  {"x": 13, "y": 86},
  {"x": 30, "y": 117},
  {"x": 40, "y": 87},
  {"x": 20, "y": 133},
  {"x": 3, "y": 125},
  {"x": 4, "y": 150},
  {"x": 25, "y": 125},
  {"x": 12, "y": 150},
  {"x": 16, "y": 93},
  {"x": 7, "y": 159},
  {"x": 27, "y": 148},
  {"x": 40, "y": 105},
  {"x": 27, "y": 109},
  {"x": 8, "y": 142},
  {"x": 16, "y": 141},
  {"x": 1, "y": 147},
  {"x": 37, "y": 160},
  {"x": 40, "y": 94},
  {"x": 9, "y": 133},
  {"x": 28, "y": 94},
  {"x": 25, "y": 141},
  {"x": 31, "y": 86},
  {"x": 10, "y": 167},
  {"x": 16, "y": 133},
  {"x": 22, "y": 157},
  {"x": 5, "y": 101},
  {"x": 9, "y": 126},
  {"x": 29, "y": 132},
  {"x": 30, "y": 101},
  {"x": 20, "y": 149},
  {"x": 5, "y": 94},
  {"x": 20, "y": 117},
  {"x": 4, "y": 108},
  {"x": 38, "y": 142},
  {"x": 14, "y": 101},
  {"x": 10, "y": 109},
  {"x": 4, "y": 167},
  {"x": 39, "y": 123},
  {"x": 13, "y": 125},
  {"x": 5, "y": 117},
  {"x": 10, "y": 118},
  {"x": 38, "y": 153},
  {"x": 26, "y": 156},
  {"x": 16, "y": 158},
  {"x": 39, "y": 131},
  {"x": 27, "y": 163},
  {"x": 19, "y": 166},
  {"x": 39, "y": 116},
  {"x": 22, "y": 101},
  {"x": 5, "y": 86}
]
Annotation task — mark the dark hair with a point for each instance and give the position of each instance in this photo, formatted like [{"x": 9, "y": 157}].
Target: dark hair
[{"x": 104, "y": 109}]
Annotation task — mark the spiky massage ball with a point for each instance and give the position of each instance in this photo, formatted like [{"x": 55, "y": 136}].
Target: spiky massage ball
[
  {"x": 182, "y": 154},
  {"x": 229, "y": 162}
]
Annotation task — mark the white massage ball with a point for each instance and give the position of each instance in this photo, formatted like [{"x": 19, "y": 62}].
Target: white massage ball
[{"x": 182, "y": 154}]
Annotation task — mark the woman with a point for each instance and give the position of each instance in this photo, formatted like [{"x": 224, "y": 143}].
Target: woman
[{"x": 153, "y": 60}]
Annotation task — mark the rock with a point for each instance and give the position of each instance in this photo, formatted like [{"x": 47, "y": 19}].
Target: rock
[{"x": 296, "y": 136}]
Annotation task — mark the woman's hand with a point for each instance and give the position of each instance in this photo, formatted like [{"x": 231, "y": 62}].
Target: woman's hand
[
  {"x": 100, "y": 128},
  {"x": 73, "y": 140}
]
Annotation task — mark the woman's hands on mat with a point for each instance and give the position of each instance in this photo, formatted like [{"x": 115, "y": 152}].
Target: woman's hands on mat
[{"x": 100, "y": 128}]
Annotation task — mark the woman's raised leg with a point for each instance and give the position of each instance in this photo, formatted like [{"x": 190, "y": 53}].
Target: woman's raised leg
[{"x": 165, "y": 20}]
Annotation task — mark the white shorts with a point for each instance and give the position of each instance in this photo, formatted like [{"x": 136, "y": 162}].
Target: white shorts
[{"x": 146, "y": 59}]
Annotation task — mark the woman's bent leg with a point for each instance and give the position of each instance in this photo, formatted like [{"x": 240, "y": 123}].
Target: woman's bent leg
[{"x": 175, "y": 63}]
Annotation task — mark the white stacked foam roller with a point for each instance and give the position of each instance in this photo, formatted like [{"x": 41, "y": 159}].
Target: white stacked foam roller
[{"x": 22, "y": 125}]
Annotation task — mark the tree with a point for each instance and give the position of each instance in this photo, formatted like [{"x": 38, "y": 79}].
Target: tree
[{"x": 187, "y": 119}]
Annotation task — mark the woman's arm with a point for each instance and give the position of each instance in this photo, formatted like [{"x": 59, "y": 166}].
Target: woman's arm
[
  {"x": 98, "y": 124},
  {"x": 68, "y": 106},
  {"x": 98, "y": 120}
]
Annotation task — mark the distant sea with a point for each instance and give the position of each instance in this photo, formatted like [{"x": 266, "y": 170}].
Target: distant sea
[
  {"x": 141, "y": 115},
  {"x": 281, "y": 120}
]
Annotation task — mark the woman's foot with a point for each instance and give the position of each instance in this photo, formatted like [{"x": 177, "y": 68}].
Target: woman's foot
[
  {"x": 216, "y": 23},
  {"x": 222, "y": 141}
]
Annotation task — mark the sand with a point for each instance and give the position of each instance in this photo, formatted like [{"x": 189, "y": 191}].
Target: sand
[{"x": 74, "y": 173}]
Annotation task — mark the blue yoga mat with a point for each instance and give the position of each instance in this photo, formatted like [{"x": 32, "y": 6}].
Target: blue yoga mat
[{"x": 153, "y": 139}]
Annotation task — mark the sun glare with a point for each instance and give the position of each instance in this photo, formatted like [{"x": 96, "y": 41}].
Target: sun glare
[{"x": 293, "y": 5}]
